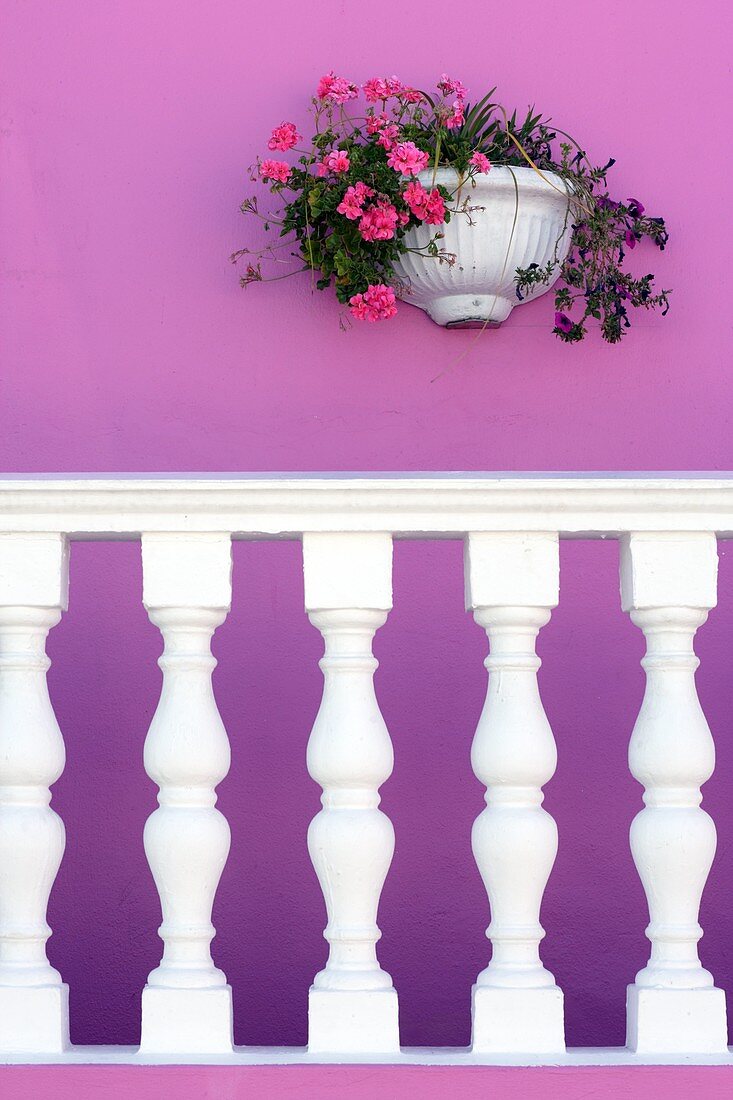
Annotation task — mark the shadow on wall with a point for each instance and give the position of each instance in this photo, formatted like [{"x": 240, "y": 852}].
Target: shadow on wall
[{"x": 431, "y": 683}]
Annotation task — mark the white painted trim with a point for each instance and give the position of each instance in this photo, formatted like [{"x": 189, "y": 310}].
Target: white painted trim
[
  {"x": 407, "y": 505},
  {"x": 408, "y": 1056}
]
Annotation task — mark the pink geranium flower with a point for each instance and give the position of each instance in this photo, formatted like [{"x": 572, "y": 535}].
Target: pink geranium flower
[
  {"x": 336, "y": 89},
  {"x": 349, "y": 207},
  {"x": 378, "y": 222},
  {"x": 352, "y": 204},
  {"x": 480, "y": 161},
  {"x": 377, "y": 303},
  {"x": 387, "y": 132},
  {"x": 456, "y": 118},
  {"x": 276, "y": 170},
  {"x": 382, "y": 88},
  {"x": 435, "y": 208},
  {"x": 363, "y": 191},
  {"x": 388, "y": 136},
  {"x": 428, "y": 207},
  {"x": 407, "y": 159},
  {"x": 447, "y": 87},
  {"x": 415, "y": 197},
  {"x": 284, "y": 137},
  {"x": 335, "y": 161},
  {"x": 375, "y": 123}
]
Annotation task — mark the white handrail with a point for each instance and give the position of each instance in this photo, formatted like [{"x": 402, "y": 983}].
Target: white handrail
[{"x": 407, "y": 505}]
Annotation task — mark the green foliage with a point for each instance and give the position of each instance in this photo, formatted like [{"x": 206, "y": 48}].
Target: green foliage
[{"x": 331, "y": 244}]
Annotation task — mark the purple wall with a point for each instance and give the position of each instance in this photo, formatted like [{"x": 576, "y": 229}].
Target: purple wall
[{"x": 129, "y": 346}]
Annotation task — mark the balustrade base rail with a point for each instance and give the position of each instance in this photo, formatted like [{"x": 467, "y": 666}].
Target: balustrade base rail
[{"x": 407, "y": 1056}]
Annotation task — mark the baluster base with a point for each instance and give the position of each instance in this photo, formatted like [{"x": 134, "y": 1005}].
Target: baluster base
[
  {"x": 187, "y": 1021},
  {"x": 362, "y": 1022},
  {"x": 676, "y": 1021},
  {"x": 34, "y": 1019},
  {"x": 518, "y": 1021}
]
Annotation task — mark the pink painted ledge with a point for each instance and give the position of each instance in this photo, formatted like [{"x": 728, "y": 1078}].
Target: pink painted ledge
[{"x": 361, "y": 1082}]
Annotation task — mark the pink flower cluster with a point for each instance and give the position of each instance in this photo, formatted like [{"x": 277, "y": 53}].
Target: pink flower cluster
[
  {"x": 336, "y": 89},
  {"x": 407, "y": 159},
  {"x": 452, "y": 87},
  {"x": 453, "y": 116},
  {"x": 376, "y": 123},
  {"x": 387, "y": 131},
  {"x": 284, "y": 137},
  {"x": 379, "y": 221},
  {"x": 456, "y": 118},
  {"x": 428, "y": 207},
  {"x": 376, "y": 216},
  {"x": 480, "y": 161},
  {"x": 335, "y": 161},
  {"x": 352, "y": 204},
  {"x": 276, "y": 170},
  {"x": 377, "y": 303},
  {"x": 382, "y": 87}
]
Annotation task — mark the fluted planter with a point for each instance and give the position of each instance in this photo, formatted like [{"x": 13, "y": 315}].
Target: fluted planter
[{"x": 514, "y": 218}]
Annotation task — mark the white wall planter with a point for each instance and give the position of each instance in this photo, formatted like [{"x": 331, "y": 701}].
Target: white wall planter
[{"x": 516, "y": 218}]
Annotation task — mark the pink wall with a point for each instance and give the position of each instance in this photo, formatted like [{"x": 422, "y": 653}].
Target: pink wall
[
  {"x": 129, "y": 346},
  {"x": 364, "y": 1082}
]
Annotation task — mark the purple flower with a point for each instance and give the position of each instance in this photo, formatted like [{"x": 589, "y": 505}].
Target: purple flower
[
  {"x": 636, "y": 208},
  {"x": 604, "y": 203},
  {"x": 563, "y": 322},
  {"x": 630, "y": 239}
]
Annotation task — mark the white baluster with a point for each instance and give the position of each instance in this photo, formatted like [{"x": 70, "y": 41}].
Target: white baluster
[
  {"x": 352, "y": 1005},
  {"x": 187, "y": 1004},
  {"x": 34, "y": 1012},
  {"x": 511, "y": 586},
  {"x": 668, "y": 583}
]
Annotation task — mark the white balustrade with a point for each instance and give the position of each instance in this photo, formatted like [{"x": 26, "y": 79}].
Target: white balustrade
[
  {"x": 34, "y": 1014},
  {"x": 511, "y": 526},
  {"x": 668, "y": 584},
  {"x": 511, "y": 586},
  {"x": 352, "y": 1004},
  {"x": 187, "y": 1004}
]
